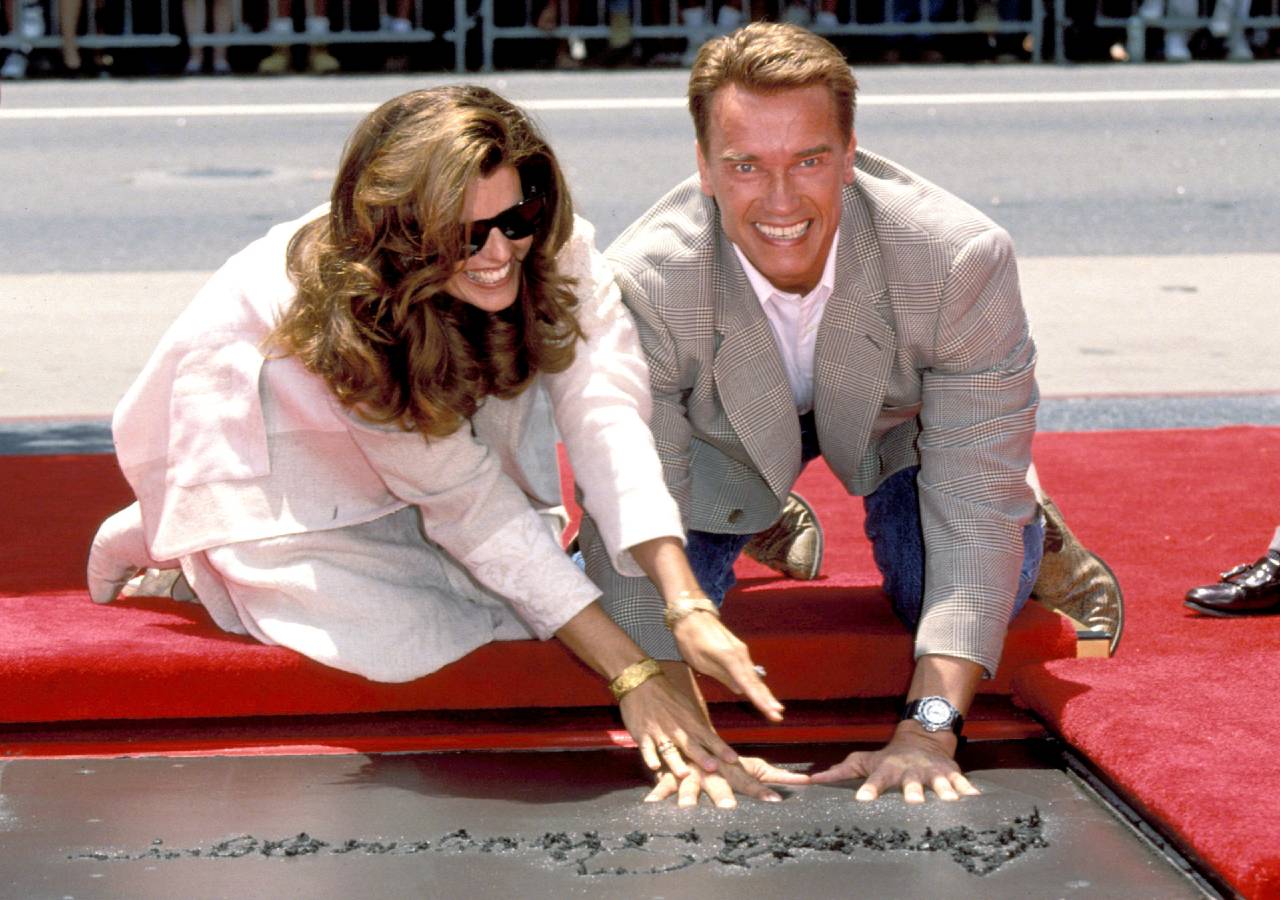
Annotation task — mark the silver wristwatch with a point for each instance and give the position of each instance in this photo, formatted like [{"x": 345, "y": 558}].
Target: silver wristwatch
[{"x": 934, "y": 714}]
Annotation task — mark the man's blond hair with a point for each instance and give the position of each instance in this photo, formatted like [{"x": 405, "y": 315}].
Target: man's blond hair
[{"x": 765, "y": 57}]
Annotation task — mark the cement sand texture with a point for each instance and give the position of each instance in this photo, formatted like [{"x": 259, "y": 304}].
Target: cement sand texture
[
  {"x": 537, "y": 825},
  {"x": 1103, "y": 325}
]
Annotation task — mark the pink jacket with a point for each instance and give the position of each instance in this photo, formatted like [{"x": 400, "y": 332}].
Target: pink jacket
[{"x": 222, "y": 444}]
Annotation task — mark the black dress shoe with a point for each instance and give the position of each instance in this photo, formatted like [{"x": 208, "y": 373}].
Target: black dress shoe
[{"x": 1244, "y": 591}]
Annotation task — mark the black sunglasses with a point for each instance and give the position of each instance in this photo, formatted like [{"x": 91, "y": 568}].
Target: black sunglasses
[{"x": 514, "y": 223}]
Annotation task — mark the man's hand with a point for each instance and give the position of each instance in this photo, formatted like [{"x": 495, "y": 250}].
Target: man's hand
[
  {"x": 712, "y": 649},
  {"x": 913, "y": 760},
  {"x": 746, "y": 776}
]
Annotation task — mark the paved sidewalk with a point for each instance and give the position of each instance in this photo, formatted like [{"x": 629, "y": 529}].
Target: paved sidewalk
[{"x": 1104, "y": 326}]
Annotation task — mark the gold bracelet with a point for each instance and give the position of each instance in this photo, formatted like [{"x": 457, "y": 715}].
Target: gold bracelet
[
  {"x": 687, "y": 603},
  {"x": 633, "y": 676}
]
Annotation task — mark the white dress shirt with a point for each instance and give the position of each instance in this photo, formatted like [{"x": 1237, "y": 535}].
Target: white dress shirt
[{"x": 794, "y": 320}]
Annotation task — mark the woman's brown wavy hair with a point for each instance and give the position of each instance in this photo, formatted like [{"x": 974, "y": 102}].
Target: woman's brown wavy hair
[{"x": 371, "y": 316}]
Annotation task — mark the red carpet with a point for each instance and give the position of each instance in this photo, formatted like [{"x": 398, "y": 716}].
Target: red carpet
[
  {"x": 1183, "y": 721},
  {"x": 65, "y": 658}
]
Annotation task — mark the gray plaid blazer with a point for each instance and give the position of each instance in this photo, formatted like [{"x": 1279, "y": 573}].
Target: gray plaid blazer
[{"x": 923, "y": 357}]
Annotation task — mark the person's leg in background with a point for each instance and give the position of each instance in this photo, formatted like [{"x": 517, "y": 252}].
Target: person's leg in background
[
  {"x": 195, "y": 14},
  {"x": 26, "y": 17}
]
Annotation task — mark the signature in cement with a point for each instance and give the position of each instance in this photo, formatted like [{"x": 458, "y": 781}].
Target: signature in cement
[{"x": 977, "y": 851}]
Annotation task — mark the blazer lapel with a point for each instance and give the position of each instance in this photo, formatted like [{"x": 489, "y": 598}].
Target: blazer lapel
[
  {"x": 855, "y": 345},
  {"x": 750, "y": 379}
]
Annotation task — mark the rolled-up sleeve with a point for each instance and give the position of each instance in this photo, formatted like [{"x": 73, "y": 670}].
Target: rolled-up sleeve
[{"x": 602, "y": 405}]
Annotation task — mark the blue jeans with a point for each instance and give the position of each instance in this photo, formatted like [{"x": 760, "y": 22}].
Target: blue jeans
[{"x": 897, "y": 543}]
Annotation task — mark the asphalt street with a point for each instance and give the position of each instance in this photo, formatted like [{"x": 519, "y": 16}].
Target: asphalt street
[{"x": 1142, "y": 199}]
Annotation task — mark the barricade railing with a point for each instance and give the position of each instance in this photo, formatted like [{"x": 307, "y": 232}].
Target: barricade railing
[
  {"x": 658, "y": 19},
  {"x": 1227, "y": 19},
  {"x": 623, "y": 21},
  {"x": 170, "y": 33}
]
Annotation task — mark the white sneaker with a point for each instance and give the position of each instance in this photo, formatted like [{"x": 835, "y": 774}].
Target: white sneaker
[
  {"x": 1151, "y": 10},
  {"x": 397, "y": 25},
  {"x": 1175, "y": 47},
  {"x": 826, "y": 18},
  {"x": 15, "y": 66}
]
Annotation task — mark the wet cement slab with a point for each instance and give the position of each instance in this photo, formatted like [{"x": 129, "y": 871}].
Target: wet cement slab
[{"x": 537, "y": 825}]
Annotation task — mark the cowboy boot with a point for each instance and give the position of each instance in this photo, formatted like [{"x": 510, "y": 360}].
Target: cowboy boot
[
  {"x": 793, "y": 545},
  {"x": 1076, "y": 582}
]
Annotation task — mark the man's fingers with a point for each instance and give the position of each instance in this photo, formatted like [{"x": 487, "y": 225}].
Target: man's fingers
[
  {"x": 912, "y": 789},
  {"x": 876, "y": 784},
  {"x": 853, "y": 766},
  {"x": 942, "y": 786},
  {"x": 963, "y": 785}
]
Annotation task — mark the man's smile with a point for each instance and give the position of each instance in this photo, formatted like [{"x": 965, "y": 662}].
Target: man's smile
[{"x": 783, "y": 232}]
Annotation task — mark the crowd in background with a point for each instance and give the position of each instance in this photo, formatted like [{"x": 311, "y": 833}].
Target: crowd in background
[{"x": 278, "y": 36}]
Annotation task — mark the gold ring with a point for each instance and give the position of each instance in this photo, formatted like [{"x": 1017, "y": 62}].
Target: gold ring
[{"x": 666, "y": 746}]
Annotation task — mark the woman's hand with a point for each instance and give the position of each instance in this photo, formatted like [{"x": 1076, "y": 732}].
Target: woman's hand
[
  {"x": 704, "y": 642},
  {"x": 712, "y": 649},
  {"x": 667, "y": 722},
  {"x": 671, "y": 730},
  {"x": 746, "y": 776}
]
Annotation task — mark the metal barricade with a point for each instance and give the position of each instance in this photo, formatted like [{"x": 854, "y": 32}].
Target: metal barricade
[
  {"x": 169, "y": 33},
  {"x": 485, "y": 22},
  {"x": 658, "y": 19},
  {"x": 1223, "y": 18}
]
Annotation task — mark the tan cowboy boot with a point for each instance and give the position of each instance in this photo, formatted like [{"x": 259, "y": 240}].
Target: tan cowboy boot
[
  {"x": 792, "y": 545},
  {"x": 1076, "y": 582}
]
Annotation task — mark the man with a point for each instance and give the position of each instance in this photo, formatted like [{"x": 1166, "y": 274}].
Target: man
[{"x": 802, "y": 297}]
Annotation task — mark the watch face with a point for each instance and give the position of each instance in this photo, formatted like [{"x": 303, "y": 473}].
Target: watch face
[{"x": 936, "y": 713}]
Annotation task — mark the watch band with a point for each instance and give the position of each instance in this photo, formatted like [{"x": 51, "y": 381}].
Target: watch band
[{"x": 910, "y": 711}]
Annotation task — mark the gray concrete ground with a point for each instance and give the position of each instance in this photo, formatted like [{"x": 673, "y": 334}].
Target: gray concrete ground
[
  {"x": 539, "y": 825},
  {"x": 1142, "y": 201}
]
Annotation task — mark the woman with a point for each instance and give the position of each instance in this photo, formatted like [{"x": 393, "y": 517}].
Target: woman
[{"x": 338, "y": 443}]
